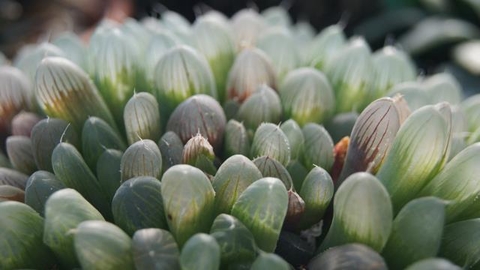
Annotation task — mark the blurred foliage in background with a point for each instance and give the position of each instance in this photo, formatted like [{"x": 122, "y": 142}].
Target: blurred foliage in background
[{"x": 439, "y": 34}]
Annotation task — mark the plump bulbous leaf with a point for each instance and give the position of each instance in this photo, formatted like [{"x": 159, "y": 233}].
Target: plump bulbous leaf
[
  {"x": 294, "y": 134},
  {"x": 433, "y": 263},
  {"x": 23, "y": 123},
  {"x": 11, "y": 193},
  {"x": 460, "y": 243},
  {"x": 372, "y": 135},
  {"x": 19, "y": 150},
  {"x": 279, "y": 44},
  {"x": 362, "y": 213},
  {"x": 236, "y": 140},
  {"x": 155, "y": 249},
  {"x": 349, "y": 71},
  {"x": 307, "y": 96},
  {"x": 40, "y": 185},
  {"x": 269, "y": 261},
  {"x": 262, "y": 207},
  {"x": 45, "y": 136},
  {"x": 188, "y": 201},
  {"x": 330, "y": 40},
  {"x": 458, "y": 183},
  {"x": 142, "y": 118},
  {"x": 269, "y": 140},
  {"x": 317, "y": 192},
  {"x": 21, "y": 238},
  {"x": 391, "y": 66},
  {"x": 232, "y": 178},
  {"x": 416, "y": 232},
  {"x": 108, "y": 171},
  {"x": 201, "y": 251},
  {"x": 348, "y": 257},
  {"x": 63, "y": 90},
  {"x": 102, "y": 245},
  {"x": 180, "y": 73},
  {"x": 97, "y": 136},
  {"x": 443, "y": 87},
  {"x": 13, "y": 178},
  {"x": 261, "y": 106},
  {"x": 236, "y": 242},
  {"x": 73, "y": 172},
  {"x": 138, "y": 204},
  {"x": 16, "y": 94},
  {"x": 214, "y": 39},
  {"x": 64, "y": 211},
  {"x": 318, "y": 147},
  {"x": 171, "y": 148},
  {"x": 418, "y": 152},
  {"x": 143, "y": 158},
  {"x": 250, "y": 69},
  {"x": 199, "y": 114}
]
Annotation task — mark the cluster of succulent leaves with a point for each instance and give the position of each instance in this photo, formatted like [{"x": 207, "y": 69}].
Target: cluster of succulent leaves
[{"x": 248, "y": 143}]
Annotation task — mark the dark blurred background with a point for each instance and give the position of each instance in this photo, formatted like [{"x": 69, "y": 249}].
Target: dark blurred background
[
  {"x": 25, "y": 21},
  {"x": 379, "y": 21}
]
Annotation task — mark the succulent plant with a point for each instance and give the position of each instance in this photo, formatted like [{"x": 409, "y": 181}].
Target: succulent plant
[
  {"x": 247, "y": 25},
  {"x": 171, "y": 148},
  {"x": 269, "y": 261},
  {"x": 23, "y": 123},
  {"x": 433, "y": 263},
  {"x": 324, "y": 46},
  {"x": 318, "y": 147},
  {"x": 11, "y": 193},
  {"x": 19, "y": 150},
  {"x": 13, "y": 178},
  {"x": 459, "y": 243},
  {"x": 40, "y": 186},
  {"x": 198, "y": 152},
  {"x": 236, "y": 139},
  {"x": 73, "y": 48}
]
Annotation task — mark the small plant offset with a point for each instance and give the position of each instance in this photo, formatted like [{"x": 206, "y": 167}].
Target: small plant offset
[{"x": 234, "y": 143}]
